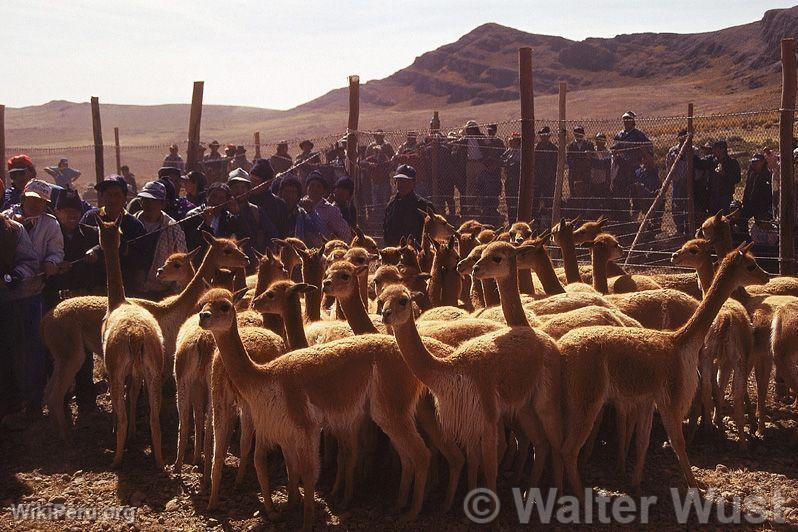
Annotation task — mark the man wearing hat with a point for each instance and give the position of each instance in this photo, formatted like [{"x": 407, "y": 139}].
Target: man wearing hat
[
  {"x": 281, "y": 161},
  {"x": 680, "y": 181},
  {"x": 545, "y": 175},
  {"x": 166, "y": 238},
  {"x": 247, "y": 216},
  {"x": 723, "y": 172},
  {"x": 307, "y": 160},
  {"x": 511, "y": 161},
  {"x": 343, "y": 196},
  {"x": 490, "y": 183},
  {"x": 757, "y": 193},
  {"x": 174, "y": 159},
  {"x": 214, "y": 218},
  {"x": 469, "y": 148},
  {"x": 273, "y": 209},
  {"x": 20, "y": 171},
  {"x": 579, "y": 154},
  {"x": 214, "y": 163},
  {"x": 628, "y": 149},
  {"x": 112, "y": 197},
  {"x": 404, "y": 214},
  {"x": 600, "y": 163},
  {"x": 315, "y": 202},
  {"x": 239, "y": 159},
  {"x": 63, "y": 175}
]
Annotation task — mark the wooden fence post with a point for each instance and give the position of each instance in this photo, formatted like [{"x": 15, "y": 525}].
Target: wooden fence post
[
  {"x": 435, "y": 175},
  {"x": 786, "y": 124},
  {"x": 3, "y": 142},
  {"x": 526, "y": 183},
  {"x": 561, "y": 144},
  {"x": 690, "y": 177},
  {"x": 117, "y": 151},
  {"x": 99, "y": 164},
  {"x": 257, "y": 145},
  {"x": 194, "y": 124},
  {"x": 351, "y": 136}
]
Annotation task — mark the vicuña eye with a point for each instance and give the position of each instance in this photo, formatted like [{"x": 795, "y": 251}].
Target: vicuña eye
[{"x": 497, "y": 259}]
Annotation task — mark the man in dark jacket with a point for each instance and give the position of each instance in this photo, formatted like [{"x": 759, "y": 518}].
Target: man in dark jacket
[
  {"x": 627, "y": 152},
  {"x": 579, "y": 154},
  {"x": 272, "y": 207},
  {"x": 545, "y": 176},
  {"x": 724, "y": 173},
  {"x": 402, "y": 215},
  {"x": 758, "y": 192},
  {"x": 343, "y": 193}
]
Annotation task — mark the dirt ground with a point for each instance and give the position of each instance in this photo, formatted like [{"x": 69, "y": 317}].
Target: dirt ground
[{"x": 39, "y": 470}]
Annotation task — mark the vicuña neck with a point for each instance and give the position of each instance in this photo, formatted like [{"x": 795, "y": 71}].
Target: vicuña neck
[
  {"x": 548, "y": 277},
  {"x": 294, "y": 328},
  {"x": 113, "y": 275},
  {"x": 421, "y": 362},
  {"x": 706, "y": 273},
  {"x": 570, "y": 263},
  {"x": 490, "y": 292},
  {"x": 185, "y": 302},
  {"x": 356, "y": 314},
  {"x": 698, "y": 324},
  {"x": 525, "y": 284},
  {"x": 244, "y": 374},
  {"x": 510, "y": 299},
  {"x": 599, "y": 273},
  {"x": 312, "y": 275}
]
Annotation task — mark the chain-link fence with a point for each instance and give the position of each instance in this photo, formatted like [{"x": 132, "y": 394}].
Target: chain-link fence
[{"x": 472, "y": 170}]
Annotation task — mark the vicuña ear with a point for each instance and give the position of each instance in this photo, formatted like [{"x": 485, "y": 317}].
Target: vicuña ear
[
  {"x": 417, "y": 296},
  {"x": 279, "y": 242},
  {"x": 193, "y": 253},
  {"x": 302, "y": 288},
  {"x": 523, "y": 249},
  {"x": 423, "y": 276},
  {"x": 422, "y": 212},
  {"x": 243, "y": 242},
  {"x": 373, "y": 256},
  {"x": 208, "y": 237},
  {"x": 239, "y": 295},
  {"x": 361, "y": 269},
  {"x": 206, "y": 284},
  {"x": 402, "y": 241}
]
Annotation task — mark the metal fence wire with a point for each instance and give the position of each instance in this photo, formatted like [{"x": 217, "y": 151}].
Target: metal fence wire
[{"x": 472, "y": 170}]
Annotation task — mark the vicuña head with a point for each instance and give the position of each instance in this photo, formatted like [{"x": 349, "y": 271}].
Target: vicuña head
[
  {"x": 110, "y": 233},
  {"x": 741, "y": 267},
  {"x": 717, "y": 229},
  {"x": 532, "y": 251},
  {"x": 496, "y": 262},
  {"x": 341, "y": 279},
  {"x": 606, "y": 247},
  {"x": 279, "y": 296},
  {"x": 397, "y": 304},
  {"x": 359, "y": 256},
  {"x": 217, "y": 310},
  {"x": 436, "y": 227},
  {"x": 175, "y": 267},
  {"x": 466, "y": 265},
  {"x": 588, "y": 231},
  {"x": 331, "y": 245},
  {"x": 693, "y": 253},
  {"x": 362, "y": 240},
  {"x": 519, "y": 232},
  {"x": 227, "y": 251}
]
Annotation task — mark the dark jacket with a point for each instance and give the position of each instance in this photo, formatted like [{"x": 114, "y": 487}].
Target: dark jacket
[
  {"x": 720, "y": 187},
  {"x": 83, "y": 276},
  {"x": 349, "y": 212},
  {"x": 545, "y": 169},
  {"x": 402, "y": 218},
  {"x": 133, "y": 257},
  {"x": 11, "y": 197},
  {"x": 758, "y": 193},
  {"x": 579, "y": 154},
  {"x": 276, "y": 211}
]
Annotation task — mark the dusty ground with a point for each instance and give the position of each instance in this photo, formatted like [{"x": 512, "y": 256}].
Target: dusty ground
[{"x": 36, "y": 468}]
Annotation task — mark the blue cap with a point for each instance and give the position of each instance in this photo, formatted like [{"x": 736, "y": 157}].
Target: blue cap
[{"x": 153, "y": 190}]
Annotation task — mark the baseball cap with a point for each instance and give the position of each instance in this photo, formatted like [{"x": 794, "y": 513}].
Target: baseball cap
[
  {"x": 168, "y": 170},
  {"x": 239, "y": 175},
  {"x": 20, "y": 162},
  {"x": 111, "y": 181},
  {"x": 69, "y": 199},
  {"x": 36, "y": 188},
  {"x": 153, "y": 190},
  {"x": 629, "y": 115}
]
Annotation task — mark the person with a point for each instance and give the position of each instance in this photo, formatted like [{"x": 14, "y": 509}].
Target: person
[
  {"x": 247, "y": 216},
  {"x": 214, "y": 163},
  {"x": 22, "y": 361},
  {"x": 85, "y": 276},
  {"x": 168, "y": 238},
  {"x": 600, "y": 168},
  {"x": 314, "y": 202},
  {"x": 238, "y": 158},
  {"x": 112, "y": 196},
  {"x": 194, "y": 183},
  {"x": 579, "y": 155},
  {"x": 306, "y": 227},
  {"x": 213, "y": 217},
  {"x": 628, "y": 149},
  {"x": 470, "y": 146},
  {"x": 724, "y": 173},
  {"x": 20, "y": 171},
  {"x": 376, "y": 180},
  {"x": 130, "y": 179},
  {"x": 774, "y": 165},
  {"x": 281, "y": 161},
  {"x": 174, "y": 159},
  {"x": 702, "y": 171},
  {"x": 646, "y": 183},
  {"x": 511, "y": 161},
  {"x": 404, "y": 214},
  {"x": 177, "y": 206},
  {"x": 680, "y": 179},
  {"x": 63, "y": 175},
  {"x": 490, "y": 182},
  {"x": 308, "y": 158},
  {"x": 273, "y": 209},
  {"x": 545, "y": 176},
  {"x": 410, "y": 153},
  {"x": 757, "y": 194},
  {"x": 343, "y": 194}
]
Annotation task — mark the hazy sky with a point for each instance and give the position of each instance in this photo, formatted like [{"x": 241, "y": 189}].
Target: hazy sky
[{"x": 279, "y": 53}]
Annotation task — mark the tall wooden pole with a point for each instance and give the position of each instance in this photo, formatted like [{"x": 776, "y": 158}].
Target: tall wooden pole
[
  {"x": 563, "y": 138},
  {"x": 690, "y": 177},
  {"x": 117, "y": 151},
  {"x": 257, "y": 145},
  {"x": 435, "y": 174},
  {"x": 526, "y": 183},
  {"x": 194, "y": 122},
  {"x": 3, "y": 143},
  {"x": 786, "y": 124},
  {"x": 99, "y": 163},
  {"x": 351, "y": 136}
]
